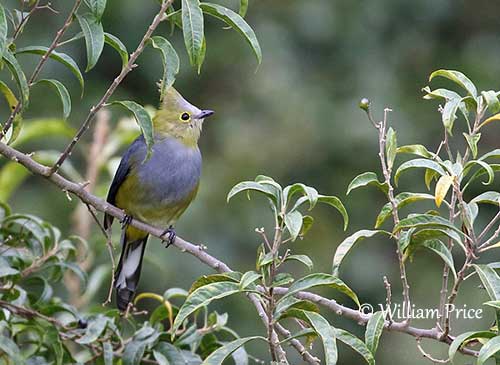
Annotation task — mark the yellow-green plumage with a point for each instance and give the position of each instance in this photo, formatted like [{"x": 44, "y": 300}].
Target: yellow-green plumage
[{"x": 157, "y": 190}]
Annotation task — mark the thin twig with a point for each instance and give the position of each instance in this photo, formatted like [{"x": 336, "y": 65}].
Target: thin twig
[
  {"x": 428, "y": 356},
  {"x": 124, "y": 72}
]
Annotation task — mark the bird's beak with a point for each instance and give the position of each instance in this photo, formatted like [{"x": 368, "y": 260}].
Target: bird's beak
[{"x": 204, "y": 114}]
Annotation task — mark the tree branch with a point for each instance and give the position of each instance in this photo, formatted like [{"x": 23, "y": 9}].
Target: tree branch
[{"x": 200, "y": 253}]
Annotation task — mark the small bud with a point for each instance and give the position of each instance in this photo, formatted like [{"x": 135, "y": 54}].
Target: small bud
[{"x": 364, "y": 104}]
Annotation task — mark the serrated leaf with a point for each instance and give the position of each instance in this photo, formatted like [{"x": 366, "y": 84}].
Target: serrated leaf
[
  {"x": 374, "y": 329},
  {"x": 118, "y": 46},
  {"x": 143, "y": 119},
  {"x": 489, "y": 349},
  {"x": 202, "y": 297},
  {"x": 364, "y": 179},
  {"x": 442, "y": 186},
  {"x": 337, "y": 204},
  {"x": 62, "y": 92},
  {"x": 56, "y": 56},
  {"x": 490, "y": 280},
  {"x": 465, "y": 337},
  {"x": 94, "y": 38},
  {"x": 327, "y": 335},
  {"x": 346, "y": 245},
  {"x": 219, "y": 355},
  {"x": 391, "y": 147},
  {"x": 170, "y": 61},
  {"x": 192, "y": 29},
  {"x": 320, "y": 279},
  {"x": 237, "y": 22},
  {"x": 355, "y": 343},
  {"x": 458, "y": 78},
  {"x": 491, "y": 99},
  {"x": 304, "y": 259},
  {"x": 17, "y": 72},
  {"x": 293, "y": 223},
  {"x": 419, "y": 163},
  {"x": 402, "y": 200}
]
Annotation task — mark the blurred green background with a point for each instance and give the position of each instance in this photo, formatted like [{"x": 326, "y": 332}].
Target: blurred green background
[{"x": 295, "y": 118}]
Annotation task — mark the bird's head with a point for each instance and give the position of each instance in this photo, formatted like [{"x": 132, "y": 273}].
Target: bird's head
[{"x": 179, "y": 119}]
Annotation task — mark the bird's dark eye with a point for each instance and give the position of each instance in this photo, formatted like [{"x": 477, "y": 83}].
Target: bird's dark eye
[{"x": 185, "y": 116}]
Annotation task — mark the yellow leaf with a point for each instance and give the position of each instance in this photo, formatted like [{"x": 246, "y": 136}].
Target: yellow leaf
[
  {"x": 496, "y": 245},
  {"x": 490, "y": 119},
  {"x": 442, "y": 187}
]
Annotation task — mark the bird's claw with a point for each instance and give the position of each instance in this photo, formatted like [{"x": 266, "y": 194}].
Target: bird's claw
[
  {"x": 170, "y": 235},
  {"x": 127, "y": 219}
]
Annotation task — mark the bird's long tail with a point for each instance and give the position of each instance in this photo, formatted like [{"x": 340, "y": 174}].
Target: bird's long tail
[{"x": 128, "y": 270}]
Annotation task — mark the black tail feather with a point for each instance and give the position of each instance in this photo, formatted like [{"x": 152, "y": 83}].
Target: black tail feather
[{"x": 128, "y": 271}]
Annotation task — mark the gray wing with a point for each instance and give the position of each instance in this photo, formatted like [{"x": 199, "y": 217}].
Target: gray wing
[{"x": 136, "y": 149}]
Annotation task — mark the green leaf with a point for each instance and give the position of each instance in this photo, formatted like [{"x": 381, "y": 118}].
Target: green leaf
[
  {"x": 170, "y": 61},
  {"x": 320, "y": 279},
  {"x": 10, "y": 348},
  {"x": 97, "y": 7},
  {"x": 243, "y": 8},
  {"x": 107, "y": 350},
  {"x": 254, "y": 186},
  {"x": 472, "y": 141},
  {"x": 346, "y": 245},
  {"x": 356, "y": 344},
  {"x": 19, "y": 76},
  {"x": 416, "y": 149},
  {"x": 160, "y": 358},
  {"x": 3, "y": 31},
  {"x": 40, "y": 128},
  {"x": 56, "y": 56},
  {"x": 337, "y": 204},
  {"x": 374, "y": 329},
  {"x": 490, "y": 280},
  {"x": 248, "y": 278},
  {"x": 491, "y": 99},
  {"x": 94, "y": 330},
  {"x": 391, "y": 147},
  {"x": 118, "y": 46},
  {"x": 62, "y": 92},
  {"x": 235, "y": 277},
  {"x": 493, "y": 303},
  {"x": 309, "y": 193},
  {"x": 94, "y": 38},
  {"x": 327, "y": 335},
  {"x": 364, "y": 179},
  {"x": 458, "y": 78},
  {"x": 489, "y": 349},
  {"x": 192, "y": 29},
  {"x": 218, "y": 356},
  {"x": 402, "y": 200},
  {"x": 170, "y": 352},
  {"x": 490, "y": 197},
  {"x": 425, "y": 221},
  {"x": 440, "y": 249},
  {"x": 237, "y": 22},
  {"x": 419, "y": 163},
  {"x": 485, "y": 166},
  {"x": 202, "y": 296},
  {"x": 449, "y": 114},
  {"x": 465, "y": 337},
  {"x": 304, "y": 259},
  {"x": 293, "y": 222},
  {"x": 440, "y": 94},
  {"x": 143, "y": 119},
  {"x": 9, "y": 95}
]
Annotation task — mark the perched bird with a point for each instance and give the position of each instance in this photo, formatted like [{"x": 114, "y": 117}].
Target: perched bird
[{"x": 156, "y": 190}]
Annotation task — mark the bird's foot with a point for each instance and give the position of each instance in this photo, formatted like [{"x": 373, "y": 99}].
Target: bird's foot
[
  {"x": 168, "y": 236},
  {"x": 127, "y": 219}
]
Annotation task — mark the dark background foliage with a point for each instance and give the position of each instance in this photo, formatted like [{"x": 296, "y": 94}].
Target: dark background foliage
[{"x": 294, "y": 118}]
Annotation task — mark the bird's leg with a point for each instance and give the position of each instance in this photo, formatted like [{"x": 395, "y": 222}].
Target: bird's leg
[
  {"x": 170, "y": 235},
  {"x": 126, "y": 221}
]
